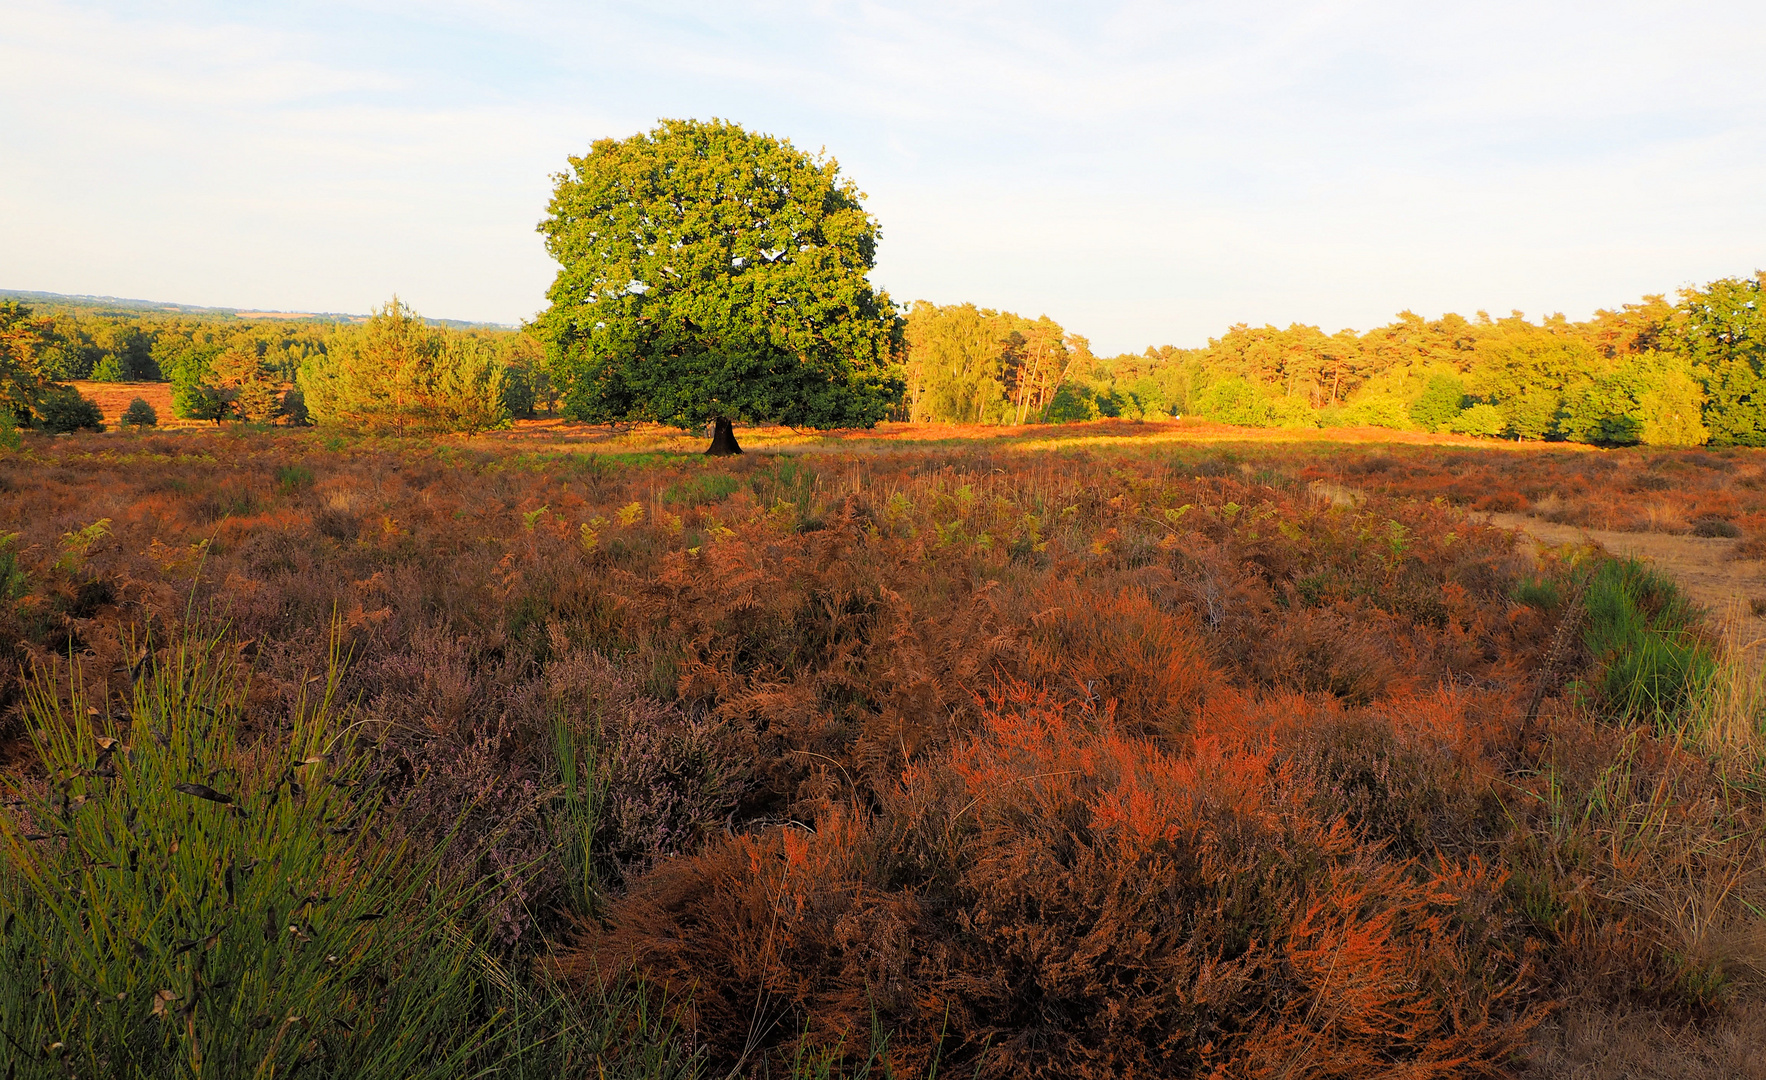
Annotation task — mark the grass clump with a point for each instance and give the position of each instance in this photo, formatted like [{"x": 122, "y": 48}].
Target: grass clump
[
  {"x": 293, "y": 478},
  {"x": 182, "y": 904},
  {"x": 1643, "y": 631},
  {"x": 701, "y": 490}
]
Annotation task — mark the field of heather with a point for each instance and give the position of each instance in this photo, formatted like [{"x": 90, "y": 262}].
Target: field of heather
[{"x": 1102, "y": 751}]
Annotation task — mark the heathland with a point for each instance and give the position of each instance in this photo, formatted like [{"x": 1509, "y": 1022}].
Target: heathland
[{"x": 1102, "y": 749}]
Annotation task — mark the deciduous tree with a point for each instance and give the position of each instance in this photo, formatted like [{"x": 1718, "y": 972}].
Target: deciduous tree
[{"x": 708, "y": 273}]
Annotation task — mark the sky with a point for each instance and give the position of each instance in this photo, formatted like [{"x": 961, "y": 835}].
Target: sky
[{"x": 1143, "y": 173}]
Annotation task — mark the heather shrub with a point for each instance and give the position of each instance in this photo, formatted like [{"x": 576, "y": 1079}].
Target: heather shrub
[
  {"x": 747, "y": 744},
  {"x": 1056, "y": 898}
]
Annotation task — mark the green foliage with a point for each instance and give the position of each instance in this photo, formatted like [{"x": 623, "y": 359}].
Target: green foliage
[
  {"x": 1289, "y": 412},
  {"x": 1385, "y": 410},
  {"x": 1234, "y": 400},
  {"x": 1541, "y": 592},
  {"x": 210, "y": 911},
  {"x": 579, "y": 815},
  {"x": 707, "y": 271},
  {"x": 109, "y": 369},
  {"x": 1442, "y": 401},
  {"x": 181, "y": 904},
  {"x": 248, "y": 385},
  {"x": 701, "y": 490},
  {"x": 9, "y": 436},
  {"x": 1649, "y": 397},
  {"x": 1532, "y": 413},
  {"x": 65, "y": 409},
  {"x": 293, "y": 478},
  {"x": 1642, "y": 630},
  {"x": 1483, "y": 420},
  {"x": 399, "y": 376},
  {"x": 21, "y": 377},
  {"x": 293, "y": 408},
  {"x": 1673, "y": 410},
  {"x": 790, "y": 485},
  {"x": 1722, "y": 330},
  {"x": 196, "y": 393},
  {"x": 139, "y": 415},
  {"x": 969, "y": 365},
  {"x": 12, "y": 575}
]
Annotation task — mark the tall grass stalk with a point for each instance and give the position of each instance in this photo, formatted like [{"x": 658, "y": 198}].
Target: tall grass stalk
[
  {"x": 1728, "y": 719},
  {"x": 581, "y": 813},
  {"x": 183, "y": 904}
]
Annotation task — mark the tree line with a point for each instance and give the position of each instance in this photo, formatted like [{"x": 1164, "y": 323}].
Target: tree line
[
  {"x": 1651, "y": 372},
  {"x": 394, "y": 372},
  {"x": 709, "y": 274}
]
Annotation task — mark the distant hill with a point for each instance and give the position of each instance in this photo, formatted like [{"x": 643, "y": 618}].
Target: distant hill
[{"x": 82, "y": 304}]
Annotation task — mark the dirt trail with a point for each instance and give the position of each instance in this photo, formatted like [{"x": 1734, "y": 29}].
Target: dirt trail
[{"x": 1704, "y": 567}]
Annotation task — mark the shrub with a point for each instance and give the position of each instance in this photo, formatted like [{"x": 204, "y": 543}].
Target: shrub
[
  {"x": 1483, "y": 420},
  {"x": 397, "y": 375},
  {"x": 140, "y": 415},
  {"x": 293, "y": 408},
  {"x": 64, "y": 409},
  {"x": 1234, "y": 400},
  {"x": 1441, "y": 403},
  {"x": 1385, "y": 410},
  {"x": 1290, "y": 412}
]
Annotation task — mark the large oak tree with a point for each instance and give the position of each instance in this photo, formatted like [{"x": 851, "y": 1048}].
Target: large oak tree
[{"x": 711, "y": 274}]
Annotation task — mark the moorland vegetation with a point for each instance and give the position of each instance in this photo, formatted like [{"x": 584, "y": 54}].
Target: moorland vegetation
[
  {"x": 343, "y": 739},
  {"x": 1199, "y": 761}
]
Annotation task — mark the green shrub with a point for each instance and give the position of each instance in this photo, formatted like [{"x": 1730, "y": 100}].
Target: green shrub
[
  {"x": 1375, "y": 410},
  {"x": 65, "y": 409},
  {"x": 1234, "y": 400},
  {"x": 140, "y": 414},
  {"x": 293, "y": 409},
  {"x": 1290, "y": 412},
  {"x": 9, "y": 436},
  {"x": 1483, "y": 420},
  {"x": 1442, "y": 402}
]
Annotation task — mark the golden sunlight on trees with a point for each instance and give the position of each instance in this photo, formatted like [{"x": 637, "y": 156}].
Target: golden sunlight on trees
[
  {"x": 398, "y": 376},
  {"x": 971, "y": 365}
]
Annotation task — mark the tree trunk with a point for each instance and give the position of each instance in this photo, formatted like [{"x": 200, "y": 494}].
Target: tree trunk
[{"x": 723, "y": 439}]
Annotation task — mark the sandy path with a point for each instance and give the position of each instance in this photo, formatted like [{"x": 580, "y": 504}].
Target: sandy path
[{"x": 1703, "y": 566}]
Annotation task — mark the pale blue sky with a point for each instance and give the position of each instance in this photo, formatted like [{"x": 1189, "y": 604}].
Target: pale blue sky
[{"x": 1144, "y": 173}]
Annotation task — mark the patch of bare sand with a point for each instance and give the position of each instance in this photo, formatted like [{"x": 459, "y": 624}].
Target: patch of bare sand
[{"x": 1706, "y": 567}]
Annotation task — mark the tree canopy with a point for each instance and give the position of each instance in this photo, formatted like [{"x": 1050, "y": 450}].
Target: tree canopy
[{"x": 709, "y": 272}]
